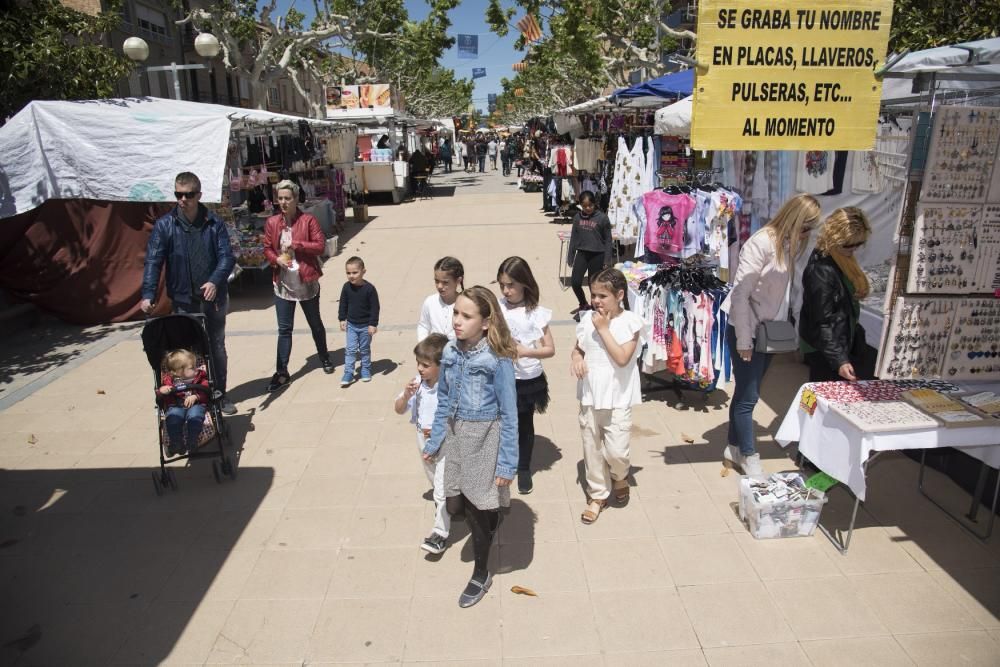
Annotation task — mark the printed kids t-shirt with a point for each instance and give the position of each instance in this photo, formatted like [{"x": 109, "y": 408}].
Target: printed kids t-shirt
[
  {"x": 527, "y": 329},
  {"x": 607, "y": 385},
  {"x": 666, "y": 217}
]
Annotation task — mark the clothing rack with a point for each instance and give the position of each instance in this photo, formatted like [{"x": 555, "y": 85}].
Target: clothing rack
[
  {"x": 690, "y": 276},
  {"x": 693, "y": 177}
]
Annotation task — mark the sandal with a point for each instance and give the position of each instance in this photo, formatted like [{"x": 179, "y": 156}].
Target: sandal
[
  {"x": 589, "y": 515},
  {"x": 621, "y": 492}
]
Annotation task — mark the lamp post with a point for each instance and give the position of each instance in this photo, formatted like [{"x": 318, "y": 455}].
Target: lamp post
[{"x": 206, "y": 44}]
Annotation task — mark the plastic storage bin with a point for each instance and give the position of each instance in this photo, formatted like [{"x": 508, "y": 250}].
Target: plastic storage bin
[{"x": 779, "y": 505}]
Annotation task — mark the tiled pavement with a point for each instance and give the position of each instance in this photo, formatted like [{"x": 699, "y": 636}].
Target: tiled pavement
[{"x": 312, "y": 556}]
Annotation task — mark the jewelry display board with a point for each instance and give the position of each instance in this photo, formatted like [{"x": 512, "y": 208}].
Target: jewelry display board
[
  {"x": 942, "y": 324},
  {"x": 946, "y": 257},
  {"x": 962, "y": 155},
  {"x": 918, "y": 338},
  {"x": 988, "y": 273},
  {"x": 872, "y": 417},
  {"x": 974, "y": 343}
]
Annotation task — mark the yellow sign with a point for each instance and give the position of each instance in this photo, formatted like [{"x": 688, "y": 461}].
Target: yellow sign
[{"x": 789, "y": 75}]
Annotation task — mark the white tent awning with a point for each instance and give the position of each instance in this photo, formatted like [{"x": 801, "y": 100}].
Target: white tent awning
[
  {"x": 120, "y": 149},
  {"x": 674, "y": 120}
]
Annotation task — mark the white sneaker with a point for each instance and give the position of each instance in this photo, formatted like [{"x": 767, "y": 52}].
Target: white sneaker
[
  {"x": 748, "y": 465},
  {"x": 751, "y": 465}
]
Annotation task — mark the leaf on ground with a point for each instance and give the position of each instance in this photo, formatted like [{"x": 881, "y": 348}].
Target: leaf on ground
[
  {"x": 724, "y": 472},
  {"x": 687, "y": 438},
  {"x": 101, "y": 392},
  {"x": 521, "y": 590},
  {"x": 32, "y": 439}
]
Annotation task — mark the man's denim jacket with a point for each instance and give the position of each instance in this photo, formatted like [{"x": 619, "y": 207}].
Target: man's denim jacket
[{"x": 477, "y": 385}]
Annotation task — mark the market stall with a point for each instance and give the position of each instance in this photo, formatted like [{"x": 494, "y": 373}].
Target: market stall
[
  {"x": 940, "y": 296},
  {"x": 81, "y": 183}
]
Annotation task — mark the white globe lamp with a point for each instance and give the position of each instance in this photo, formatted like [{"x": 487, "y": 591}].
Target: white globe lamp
[
  {"x": 136, "y": 49},
  {"x": 207, "y": 45}
]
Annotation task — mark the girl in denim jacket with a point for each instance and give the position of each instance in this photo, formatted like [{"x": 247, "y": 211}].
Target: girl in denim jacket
[{"x": 475, "y": 425}]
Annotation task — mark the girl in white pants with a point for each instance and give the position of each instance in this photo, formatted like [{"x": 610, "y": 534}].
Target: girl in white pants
[{"x": 608, "y": 341}]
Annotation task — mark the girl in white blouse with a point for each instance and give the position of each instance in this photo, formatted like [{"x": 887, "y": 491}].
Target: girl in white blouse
[
  {"x": 436, "y": 311},
  {"x": 608, "y": 341},
  {"x": 529, "y": 326}
]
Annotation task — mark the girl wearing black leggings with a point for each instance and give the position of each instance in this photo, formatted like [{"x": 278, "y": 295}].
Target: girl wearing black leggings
[
  {"x": 589, "y": 246},
  {"x": 529, "y": 327}
]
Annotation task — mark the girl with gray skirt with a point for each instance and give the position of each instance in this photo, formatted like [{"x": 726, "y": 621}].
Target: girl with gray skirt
[{"x": 475, "y": 426}]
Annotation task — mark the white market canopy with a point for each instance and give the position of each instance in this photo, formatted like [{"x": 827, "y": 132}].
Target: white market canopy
[
  {"x": 121, "y": 149},
  {"x": 674, "y": 120}
]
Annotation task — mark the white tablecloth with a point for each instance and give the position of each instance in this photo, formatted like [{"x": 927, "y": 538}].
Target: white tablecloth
[{"x": 838, "y": 448}]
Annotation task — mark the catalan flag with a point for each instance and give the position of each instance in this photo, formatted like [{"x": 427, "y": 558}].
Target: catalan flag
[
  {"x": 519, "y": 92},
  {"x": 529, "y": 28},
  {"x": 520, "y": 67}
]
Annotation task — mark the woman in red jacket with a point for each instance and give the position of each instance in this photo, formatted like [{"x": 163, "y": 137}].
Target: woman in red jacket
[{"x": 293, "y": 243}]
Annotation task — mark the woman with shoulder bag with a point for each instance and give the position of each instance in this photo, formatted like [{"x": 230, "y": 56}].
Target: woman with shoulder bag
[
  {"x": 293, "y": 243},
  {"x": 833, "y": 285},
  {"x": 758, "y": 306}
]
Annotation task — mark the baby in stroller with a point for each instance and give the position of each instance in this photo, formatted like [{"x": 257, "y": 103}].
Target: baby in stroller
[{"x": 185, "y": 390}]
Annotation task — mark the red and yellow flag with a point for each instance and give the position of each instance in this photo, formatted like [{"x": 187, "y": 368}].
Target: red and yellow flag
[{"x": 529, "y": 28}]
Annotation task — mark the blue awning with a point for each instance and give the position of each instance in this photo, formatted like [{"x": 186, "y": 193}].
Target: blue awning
[{"x": 668, "y": 85}]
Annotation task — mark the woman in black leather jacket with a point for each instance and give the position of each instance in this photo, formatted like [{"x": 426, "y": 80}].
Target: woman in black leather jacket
[{"x": 833, "y": 285}]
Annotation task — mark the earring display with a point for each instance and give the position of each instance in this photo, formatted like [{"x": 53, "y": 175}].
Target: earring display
[
  {"x": 988, "y": 273},
  {"x": 973, "y": 349},
  {"x": 950, "y": 242},
  {"x": 918, "y": 338},
  {"x": 885, "y": 416},
  {"x": 963, "y": 151}
]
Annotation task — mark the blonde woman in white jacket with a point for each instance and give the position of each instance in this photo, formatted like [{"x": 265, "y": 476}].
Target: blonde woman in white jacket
[{"x": 767, "y": 264}]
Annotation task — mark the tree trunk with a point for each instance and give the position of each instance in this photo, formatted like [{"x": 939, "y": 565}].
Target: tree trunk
[{"x": 258, "y": 95}]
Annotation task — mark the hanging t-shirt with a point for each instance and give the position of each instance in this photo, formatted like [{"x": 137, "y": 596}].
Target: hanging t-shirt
[
  {"x": 666, "y": 218},
  {"x": 526, "y": 328},
  {"x": 814, "y": 174},
  {"x": 607, "y": 385}
]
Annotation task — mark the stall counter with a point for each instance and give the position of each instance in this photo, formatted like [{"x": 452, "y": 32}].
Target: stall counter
[{"x": 379, "y": 177}]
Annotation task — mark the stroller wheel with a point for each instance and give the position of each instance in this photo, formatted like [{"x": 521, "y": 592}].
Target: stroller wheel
[
  {"x": 217, "y": 471},
  {"x": 228, "y": 468},
  {"x": 171, "y": 478},
  {"x": 157, "y": 485}
]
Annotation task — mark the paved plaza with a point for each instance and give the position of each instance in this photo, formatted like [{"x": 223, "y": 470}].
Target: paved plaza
[{"x": 312, "y": 555}]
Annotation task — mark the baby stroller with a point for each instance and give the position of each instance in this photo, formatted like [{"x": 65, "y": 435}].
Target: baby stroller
[{"x": 171, "y": 332}]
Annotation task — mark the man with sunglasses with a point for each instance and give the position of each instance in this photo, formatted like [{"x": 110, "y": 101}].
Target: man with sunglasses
[{"x": 194, "y": 245}]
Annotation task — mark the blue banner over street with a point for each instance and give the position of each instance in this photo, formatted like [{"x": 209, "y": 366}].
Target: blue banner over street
[
  {"x": 478, "y": 73},
  {"x": 468, "y": 47}
]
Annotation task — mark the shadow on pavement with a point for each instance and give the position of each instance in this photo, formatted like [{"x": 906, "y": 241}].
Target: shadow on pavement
[
  {"x": 49, "y": 345},
  {"x": 95, "y": 568}
]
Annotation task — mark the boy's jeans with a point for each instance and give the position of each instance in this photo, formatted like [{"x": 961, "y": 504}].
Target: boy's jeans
[
  {"x": 358, "y": 341},
  {"x": 177, "y": 417},
  {"x": 435, "y": 475}
]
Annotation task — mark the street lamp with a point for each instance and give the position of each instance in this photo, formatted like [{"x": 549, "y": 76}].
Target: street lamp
[{"x": 206, "y": 44}]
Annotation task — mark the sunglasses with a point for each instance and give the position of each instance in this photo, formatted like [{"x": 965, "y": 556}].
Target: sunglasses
[
  {"x": 186, "y": 195},
  {"x": 852, "y": 246}
]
